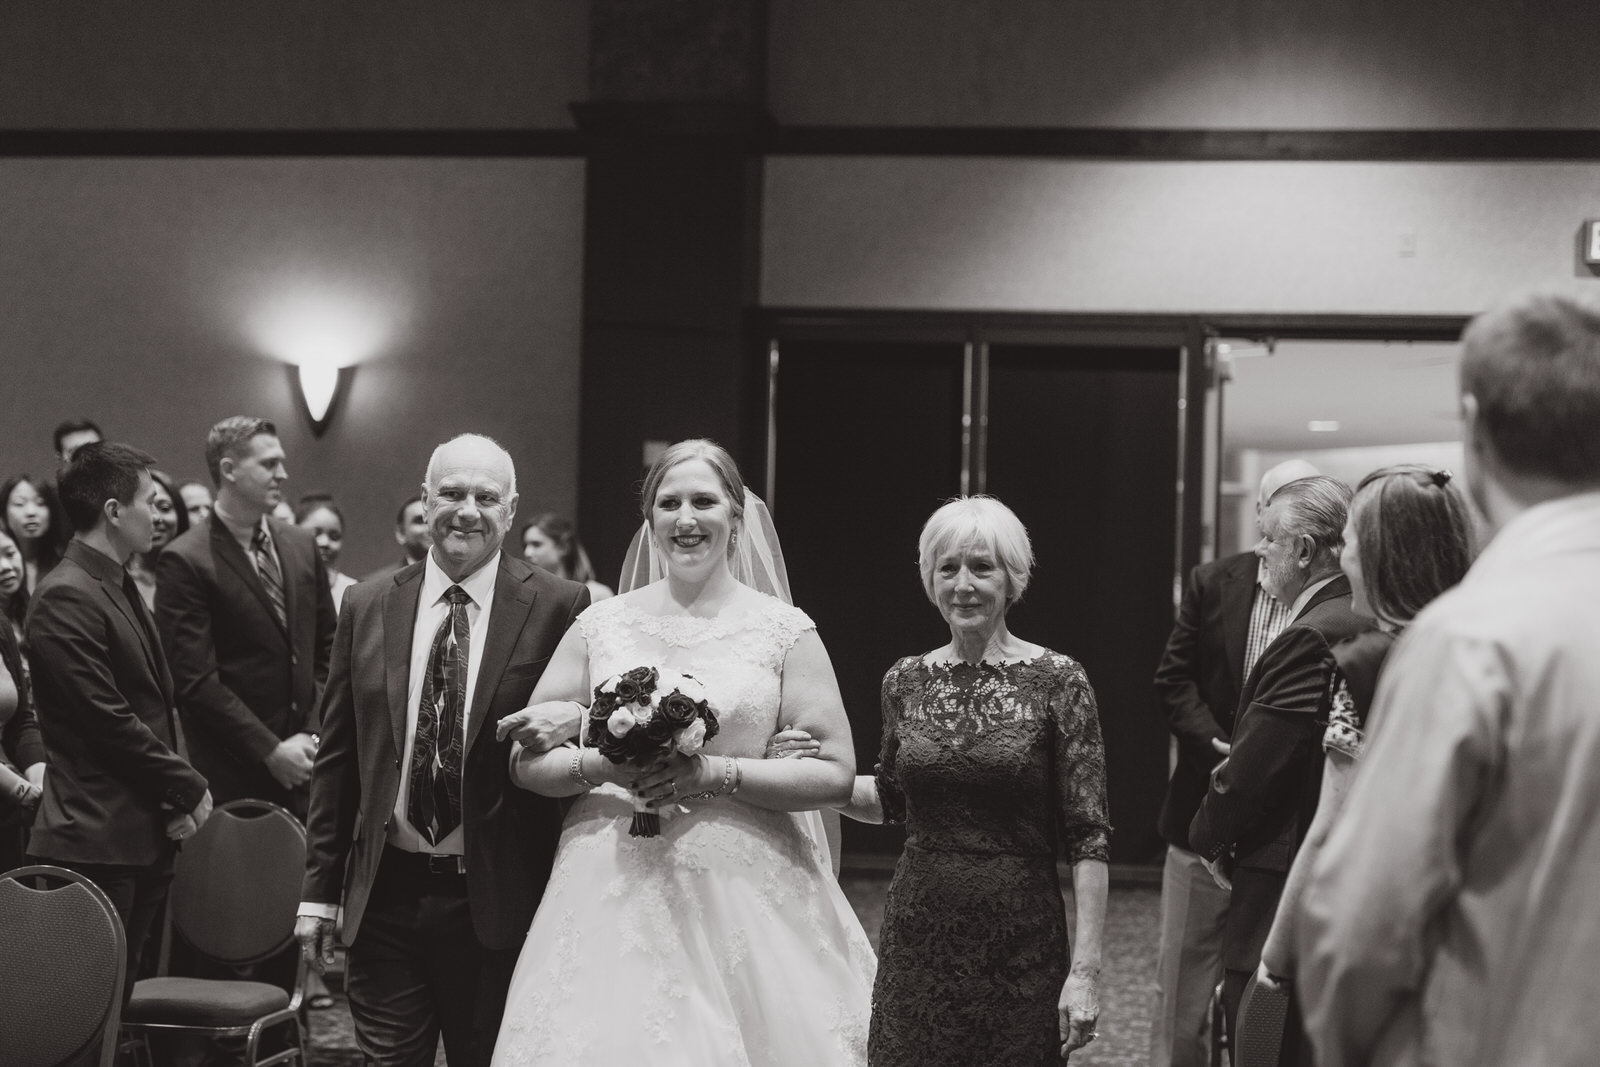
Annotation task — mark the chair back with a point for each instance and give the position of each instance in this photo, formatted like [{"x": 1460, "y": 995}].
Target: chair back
[
  {"x": 1263, "y": 1019},
  {"x": 65, "y": 962},
  {"x": 236, "y": 888}
]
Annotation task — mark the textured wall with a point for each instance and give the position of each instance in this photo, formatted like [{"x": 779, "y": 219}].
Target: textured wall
[
  {"x": 292, "y": 64},
  {"x": 1186, "y": 63},
  {"x": 156, "y": 296},
  {"x": 1158, "y": 237}
]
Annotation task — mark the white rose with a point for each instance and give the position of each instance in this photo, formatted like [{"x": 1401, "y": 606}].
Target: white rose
[
  {"x": 621, "y": 722},
  {"x": 691, "y": 737},
  {"x": 610, "y": 684}
]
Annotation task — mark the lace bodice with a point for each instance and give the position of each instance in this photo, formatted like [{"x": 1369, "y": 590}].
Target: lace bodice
[
  {"x": 738, "y": 657},
  {"x": 1000, "y": 758},
  {"x": 727, "y": 935}
]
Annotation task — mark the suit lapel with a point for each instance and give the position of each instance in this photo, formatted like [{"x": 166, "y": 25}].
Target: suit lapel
[
  {"x": 399, "y": 620},
  {"x": 119, "y": 597},
  {"x": 1340, "y": 586},
  {"x": 1238, "y": 599},
  {"x": 513, "y": 600},
  {"x": 225, "y": 548}
]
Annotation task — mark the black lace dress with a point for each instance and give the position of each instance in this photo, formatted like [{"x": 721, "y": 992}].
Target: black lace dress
[{"x": 995, "y": 771}]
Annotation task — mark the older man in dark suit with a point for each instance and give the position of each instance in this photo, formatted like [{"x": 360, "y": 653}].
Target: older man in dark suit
[
  {"x": 437, "y": 859},
  {"x": 247, "y": 618},
  {"x": 118, "y": 796},
  {"x": 1226, "y": 619},
  {"x": 1261, "y": 798}
]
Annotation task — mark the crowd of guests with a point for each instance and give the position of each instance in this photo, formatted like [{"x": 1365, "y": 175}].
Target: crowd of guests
[{"x": 1381, "y": 812}]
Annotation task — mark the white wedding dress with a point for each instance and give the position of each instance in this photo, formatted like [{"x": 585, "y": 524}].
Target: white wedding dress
[{"x": 726, "y": 940}]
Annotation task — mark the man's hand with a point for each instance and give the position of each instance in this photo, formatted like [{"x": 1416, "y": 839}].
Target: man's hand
[
  {"x": 1222, "y": 747},
  {"x": 541, "y": 727},
  {"x": 35, "y": 774},
  {"x": 316, "y": 941},
  {"x": 202, "y": 810},
  {"x": 1218, "y": 875},
  {"x": 1265, "y": 979},
  {"x": 180, "y": 825},
  {"x": 290, "y": 763}
]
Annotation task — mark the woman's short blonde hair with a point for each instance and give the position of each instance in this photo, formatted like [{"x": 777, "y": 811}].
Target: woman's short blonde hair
[{"x": 977, "y": 522}]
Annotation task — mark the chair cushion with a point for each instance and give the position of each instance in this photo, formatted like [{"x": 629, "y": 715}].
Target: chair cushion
[{"x": 202, "y": 1002}]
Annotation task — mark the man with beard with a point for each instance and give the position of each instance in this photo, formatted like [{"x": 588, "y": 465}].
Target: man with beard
[{"x": 1262, "y": 797}]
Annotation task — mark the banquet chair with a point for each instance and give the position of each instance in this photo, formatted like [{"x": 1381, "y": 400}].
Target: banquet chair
[
  {"x": 1257, "y": 1040},
  {"x": 65, "y": 961},
  {"x": 1219, "y": 1029},
  {"x": 233, "y": 900}
]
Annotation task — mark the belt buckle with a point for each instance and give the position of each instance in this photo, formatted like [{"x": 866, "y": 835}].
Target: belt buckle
[{"x": 439, "y": 863}]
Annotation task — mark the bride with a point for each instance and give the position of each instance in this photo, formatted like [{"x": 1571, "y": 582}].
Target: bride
[{"x": 725, "y": 940}]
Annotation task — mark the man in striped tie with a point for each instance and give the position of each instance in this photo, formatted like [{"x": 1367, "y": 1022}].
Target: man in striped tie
[{"x": 247, "y": 619}]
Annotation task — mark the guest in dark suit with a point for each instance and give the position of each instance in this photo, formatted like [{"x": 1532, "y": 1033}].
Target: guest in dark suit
[
  {"x": 117, "y": 796},
  {"x": 1262, "y": 797},
  {"x": 1227, "y": 617},
  {"x": 247, "y": 619},
  {"x": 411, "y": 534},
  {"x": 437, "y": 861}
]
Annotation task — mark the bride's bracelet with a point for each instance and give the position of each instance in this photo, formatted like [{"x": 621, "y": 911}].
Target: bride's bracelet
[
  {"x": 730, "y": 774},
  {"x": 575, "y": 772}
]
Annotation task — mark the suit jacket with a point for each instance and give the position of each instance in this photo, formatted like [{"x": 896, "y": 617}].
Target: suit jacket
[
  {"x": 1199, "y": 678},
  {"x": 1262, "y": 798},
  {"x": 510, "y": 834},
  {"x": 244, "y": 684},
  {"x": 106, "y": 713}
]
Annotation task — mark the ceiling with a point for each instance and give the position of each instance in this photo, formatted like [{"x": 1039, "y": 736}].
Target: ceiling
[{"x": 1401, "y": 392}]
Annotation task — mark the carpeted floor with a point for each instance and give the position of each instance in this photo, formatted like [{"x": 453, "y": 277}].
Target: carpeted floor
[{"x": 1125, "y": 989}]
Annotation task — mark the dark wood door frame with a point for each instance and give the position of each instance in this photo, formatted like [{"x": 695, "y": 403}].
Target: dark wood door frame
[{"x": 1187, "y": 332}]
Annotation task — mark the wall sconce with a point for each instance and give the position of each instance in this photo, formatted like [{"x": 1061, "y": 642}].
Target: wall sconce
[{"x": 320, "y": 387}]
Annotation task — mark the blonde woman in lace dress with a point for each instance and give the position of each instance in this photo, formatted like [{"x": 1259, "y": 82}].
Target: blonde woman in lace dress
[{"x": 725, "y": 940}]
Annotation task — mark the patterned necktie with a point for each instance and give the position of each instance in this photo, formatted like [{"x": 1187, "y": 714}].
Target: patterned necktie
[
  {"x": 434, "y": 801},
  {"x": 271, "y": 577}
]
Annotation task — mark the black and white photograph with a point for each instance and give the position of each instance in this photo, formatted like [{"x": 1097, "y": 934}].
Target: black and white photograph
[{"x": 799, "y": 533}]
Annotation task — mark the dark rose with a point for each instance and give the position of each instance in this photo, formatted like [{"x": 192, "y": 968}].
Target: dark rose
[
  {"x": 659, "y": 730},
  {"x": 677, "y": 710},
  {"x": 639, "y": 682},
  {"x": 710, "y": 715}
]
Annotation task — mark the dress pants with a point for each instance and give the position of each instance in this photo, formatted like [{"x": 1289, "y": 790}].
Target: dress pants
[
  {"x": 417, "y": 969},
  {"x": 136, "y": 893},
  {"x": 1193, "y": 911}
]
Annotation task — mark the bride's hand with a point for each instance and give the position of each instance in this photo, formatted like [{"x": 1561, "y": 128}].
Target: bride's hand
[{"x": 674, "y": 776}]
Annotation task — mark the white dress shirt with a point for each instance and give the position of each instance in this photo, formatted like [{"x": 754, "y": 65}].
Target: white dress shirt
[{"x": 432, "y": 610}]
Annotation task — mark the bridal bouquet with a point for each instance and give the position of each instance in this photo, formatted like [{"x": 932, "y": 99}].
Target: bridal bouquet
[{"x": 645, "y": 713}]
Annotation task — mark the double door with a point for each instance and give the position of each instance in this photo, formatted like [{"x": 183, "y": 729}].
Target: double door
[{"x": 1080, "y": 437}]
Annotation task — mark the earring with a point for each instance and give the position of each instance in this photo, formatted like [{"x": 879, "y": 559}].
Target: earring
[{"x": 733, "y": 539}]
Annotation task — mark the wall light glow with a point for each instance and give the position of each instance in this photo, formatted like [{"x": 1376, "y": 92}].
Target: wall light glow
[
  {"x": 319, "y": 325},
  {"x": 322, "y": 330}
]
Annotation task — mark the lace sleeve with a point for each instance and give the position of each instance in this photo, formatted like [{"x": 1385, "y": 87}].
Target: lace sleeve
[
  {"x": 1344, "y": 733},
  {"x": 1080, "y": 768},
  {"x": 890, "y": 795},
  {"x": 786, "y": 623}
]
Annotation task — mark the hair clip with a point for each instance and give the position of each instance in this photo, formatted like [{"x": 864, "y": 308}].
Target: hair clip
[{"x": 1442, "y": 477}]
